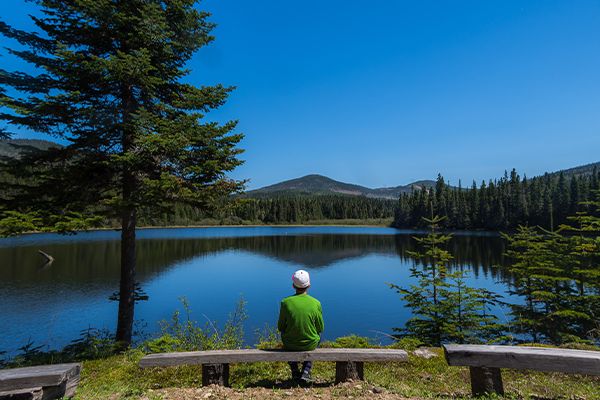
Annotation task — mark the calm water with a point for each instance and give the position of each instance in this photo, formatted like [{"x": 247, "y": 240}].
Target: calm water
[{"x": 213, "y": 268}]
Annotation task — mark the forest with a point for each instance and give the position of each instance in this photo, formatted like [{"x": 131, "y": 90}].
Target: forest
[
  {"x": 282, "y": 209},
  {"x": 501, "y": 204}
]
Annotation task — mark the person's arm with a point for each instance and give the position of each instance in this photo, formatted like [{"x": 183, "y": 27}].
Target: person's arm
[
  {"x": 282, "y": 319},
  {"x": 319, "y": 324}
]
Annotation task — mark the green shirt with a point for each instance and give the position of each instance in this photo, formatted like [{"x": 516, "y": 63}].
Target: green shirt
[{"x": 300, "y": 322}]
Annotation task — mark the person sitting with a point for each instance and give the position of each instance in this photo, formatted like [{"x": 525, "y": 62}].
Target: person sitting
[{"x": 300, "y": 323}]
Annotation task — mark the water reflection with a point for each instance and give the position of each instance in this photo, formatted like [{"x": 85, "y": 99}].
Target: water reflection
[
  {"x": 72, "y": 293},
  {"x": 99, "y": 261}
]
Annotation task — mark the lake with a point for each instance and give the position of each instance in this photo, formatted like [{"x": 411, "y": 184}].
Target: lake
[{"x": 213, "y": 268}]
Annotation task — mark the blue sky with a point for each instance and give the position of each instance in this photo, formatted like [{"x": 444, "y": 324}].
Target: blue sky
[{"x": 383, "y": 93}]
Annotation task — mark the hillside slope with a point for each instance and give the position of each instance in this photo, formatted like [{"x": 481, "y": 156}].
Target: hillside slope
[
  {"x": 319, "y": 184},
  {"x": 16, "y": 148},
  {"x": 580, "y": 170}
]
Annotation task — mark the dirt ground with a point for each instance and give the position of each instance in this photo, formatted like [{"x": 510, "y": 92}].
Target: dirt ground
[{"x": 348, "y": 390}]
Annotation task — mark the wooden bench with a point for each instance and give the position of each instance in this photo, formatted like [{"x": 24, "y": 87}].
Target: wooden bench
[
  {"x": 484, "y": 362},
  {"x": 215, "y": 363},
  {"x": 42, "y": 382}
]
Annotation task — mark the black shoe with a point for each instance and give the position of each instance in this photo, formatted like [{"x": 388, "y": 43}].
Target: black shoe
[
  {"x": 306, "y": 378},
  {"x": 296, "y": 375}
]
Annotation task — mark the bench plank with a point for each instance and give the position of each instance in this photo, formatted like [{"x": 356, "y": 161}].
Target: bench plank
[
  {"x": 38, "y": 376},
  {"x": 255, "y": 355},
  {"x": 521, "y": 357}
]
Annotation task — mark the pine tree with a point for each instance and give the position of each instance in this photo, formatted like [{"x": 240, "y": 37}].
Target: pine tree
[
  {"x": 584, "y": 267},
  {"x": 110, "y": 86},
  {"x": 444, "y": 308},
  {"x": 543, "y": 277},
  {"x": 428, "y": 319}
]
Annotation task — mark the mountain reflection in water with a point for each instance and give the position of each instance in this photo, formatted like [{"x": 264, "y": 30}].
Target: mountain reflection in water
[{"x": 51, "y": 304}]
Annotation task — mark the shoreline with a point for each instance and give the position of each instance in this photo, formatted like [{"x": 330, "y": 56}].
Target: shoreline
[
  {"x": 209, "y": 226},
  {"x": 200, "y": 226}
]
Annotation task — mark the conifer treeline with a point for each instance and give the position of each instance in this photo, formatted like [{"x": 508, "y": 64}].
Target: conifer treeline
[
  {"x": 500, "y": 204},
  {"x": 283, "y": 209},
  {"x": 298, "y": 209},
  {"x": 505, "y": 203}
]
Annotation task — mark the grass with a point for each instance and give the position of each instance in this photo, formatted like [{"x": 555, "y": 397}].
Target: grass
[
  {"x": 115, "y": 377},
  {"x": 119, "y": 377}
]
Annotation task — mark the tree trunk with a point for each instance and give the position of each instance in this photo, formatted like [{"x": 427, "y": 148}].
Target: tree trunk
[
  {"x": 128, "y": 222},
  {"x": 127, "y": 283}
]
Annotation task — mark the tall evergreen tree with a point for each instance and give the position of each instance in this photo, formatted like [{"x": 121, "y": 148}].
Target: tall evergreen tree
[{"x": 110, "y": 86}]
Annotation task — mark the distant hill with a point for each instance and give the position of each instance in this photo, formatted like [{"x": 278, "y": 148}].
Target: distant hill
[
  {"x": 309, "y": 185},
  {"x": 580, "y": 170},
  {"x": 319, "y": 184},
  {"x": 16, "y": 148}
]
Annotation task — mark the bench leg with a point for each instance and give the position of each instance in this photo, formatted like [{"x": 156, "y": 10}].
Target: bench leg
[
  {"x": 486, "y": 381},
  {"x": 215, "y": 374},
  {"x": 345, "y": 370},
  {"x": 55, "y": 392}
]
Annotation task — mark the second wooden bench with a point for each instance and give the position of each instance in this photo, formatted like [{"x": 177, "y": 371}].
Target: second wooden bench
[{"x": 485, "y": 362}]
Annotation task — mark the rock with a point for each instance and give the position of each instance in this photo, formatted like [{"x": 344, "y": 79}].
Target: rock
[
  {"x": 425, "y": 352},
  {"x": 377, "y": 389}
]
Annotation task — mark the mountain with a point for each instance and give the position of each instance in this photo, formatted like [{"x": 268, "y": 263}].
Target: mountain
[
  {"x": 319, "y": 184},
  {"x": 16, "y": 148},
  {"x": 309, "y": 184}
]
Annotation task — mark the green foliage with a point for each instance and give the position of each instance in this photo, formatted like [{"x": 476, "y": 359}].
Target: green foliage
[
  {"x": 14, "y": 223},
  {"x": 444, "y": 308},
  {"x": 268, "y": 338},
  {"x": 182, "y": 333},
  {"x": 351, "y": 342},
  {"x": 164, "y": 344},
  {"x": 90, "y": 345},
  {"x": 407, "y": 343}
]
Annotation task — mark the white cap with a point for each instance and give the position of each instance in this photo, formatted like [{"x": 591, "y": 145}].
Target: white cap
[{"x": 301, "y": 279}]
